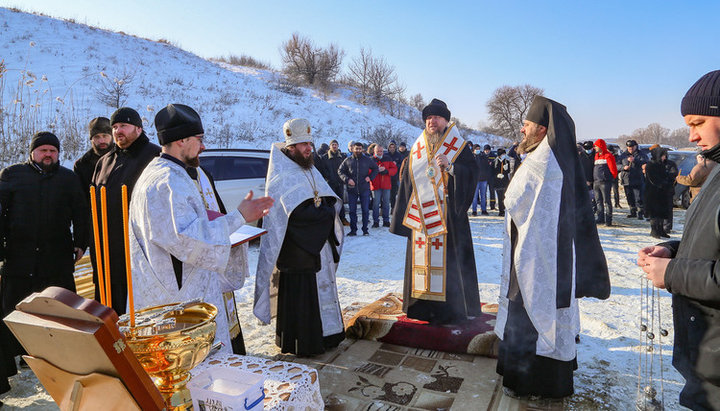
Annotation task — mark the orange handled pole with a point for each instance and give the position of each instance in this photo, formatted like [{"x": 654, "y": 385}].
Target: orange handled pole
[
  {"x": 131, "y": 305},
  {"x": 98, "y": 250},
  {"x": 106, "y": 247}
]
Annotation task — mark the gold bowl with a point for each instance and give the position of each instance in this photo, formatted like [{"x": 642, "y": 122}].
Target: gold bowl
[{"x": 169, "y": 340}]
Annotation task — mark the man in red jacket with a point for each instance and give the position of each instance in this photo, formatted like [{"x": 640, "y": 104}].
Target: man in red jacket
[
  {"x": 381, "y": 186},
  {"x": 604, "y": 172}
]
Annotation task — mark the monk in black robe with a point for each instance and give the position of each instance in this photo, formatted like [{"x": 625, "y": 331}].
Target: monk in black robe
[
  {"x": 551, "y": 225},
  {"x": 462, "y": 298}
]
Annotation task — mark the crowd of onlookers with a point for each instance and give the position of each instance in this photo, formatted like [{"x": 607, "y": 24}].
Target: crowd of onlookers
[{"x": 368, "y": 175}]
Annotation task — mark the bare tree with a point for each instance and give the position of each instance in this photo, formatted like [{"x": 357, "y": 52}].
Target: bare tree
[
  {"x": 679, "y": 137},
  {"x": 653, "y": 133},
  {"x": 113, "y": 91},
  {"x": 507, "y": 108},
  {"x": 312, "y": 65},
  {"x": 375, "y": 81},
  {"x": 417, "y": 101},
  {"x": 359, "y": 75}
]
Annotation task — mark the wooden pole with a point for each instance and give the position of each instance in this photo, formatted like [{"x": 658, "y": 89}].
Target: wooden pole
[
  {"x": 131, "y": 304},
  {"x": 98, "y": 249},
  {"x": 106, "y": 247}
]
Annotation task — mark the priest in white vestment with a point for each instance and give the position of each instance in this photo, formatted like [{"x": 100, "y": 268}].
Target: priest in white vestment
[
  {"x": 299, "y": 256},
  {"x": 551, "y": 256},
  {"x": 177, "y": 253}
]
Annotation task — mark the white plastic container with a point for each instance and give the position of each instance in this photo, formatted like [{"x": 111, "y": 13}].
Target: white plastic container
[{"x": 227, "y": 390}]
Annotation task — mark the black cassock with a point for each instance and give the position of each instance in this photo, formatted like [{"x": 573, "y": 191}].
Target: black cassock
[
  {"x": 462, "y": 298},
  {"x": 299, "y": 326}
]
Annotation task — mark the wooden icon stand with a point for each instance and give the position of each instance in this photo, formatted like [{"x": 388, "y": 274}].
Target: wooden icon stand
[{"x": 79, "y": 355}]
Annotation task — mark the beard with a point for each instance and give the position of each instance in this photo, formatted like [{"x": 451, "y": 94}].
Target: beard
[
  {"x": 47, "y": 167},
  {"x": 192, "y": 162},
  {"x": 530, "y": 143},
  {"x": 101, "y": 151},
  {"x": 296, "y": 156}
]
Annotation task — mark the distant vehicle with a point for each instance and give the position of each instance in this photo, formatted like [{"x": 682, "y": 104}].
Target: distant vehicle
[
  {"x": 236, "y": 172},
  {"x": 685, "y": 161},
  {"x": 645, "y": 148}
]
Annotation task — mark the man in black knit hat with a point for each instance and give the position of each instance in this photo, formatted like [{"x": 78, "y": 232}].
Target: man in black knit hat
[
  {"x": 100, "y": 143},
  {"x": 435, "y": 191},
  {"x": 177, "y": 252},
  {"x": 40, "y": 202},
  {"x": 122, "y": 165},
  {"x": 689, "y": 268}
]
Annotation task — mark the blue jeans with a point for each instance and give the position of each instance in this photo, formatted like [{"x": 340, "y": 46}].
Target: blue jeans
[
  {"x": 381, "y": 197},
  {"x": 364, "y": 203},
  {"x": 480, "y": 188}
]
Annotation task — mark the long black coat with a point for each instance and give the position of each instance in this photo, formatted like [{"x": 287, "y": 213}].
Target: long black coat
[
  {"x": 658, "y": 186},
  {"x": 84, "y": 167},
  {"x": 38, "y": 209},
  {"x": 118, "y": 167}
]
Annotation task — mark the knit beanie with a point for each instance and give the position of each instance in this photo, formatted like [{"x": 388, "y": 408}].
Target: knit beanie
[
  {"x": 334, "y": 141},
  {"x": 126, "y": 115},
  {"x": 703, "y": 98},
  {"x": 44, "y": 138},
  {"x": 100, "y": 125},
  {"x": 436, "y": 108},
  {"x": 176, "y": 122}
]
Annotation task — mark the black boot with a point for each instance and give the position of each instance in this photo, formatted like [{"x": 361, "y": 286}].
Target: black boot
[
  {"x": 661, "y": 230},
  {"x": 641, "y": 215},
  {"x": 633, "y": 213},
  {"x": 654, "y": 228},
  {"x": 600, "y": 219},
  {"x": 608, "y": 220}
]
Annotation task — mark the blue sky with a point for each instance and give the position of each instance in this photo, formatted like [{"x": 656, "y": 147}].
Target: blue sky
[{"x": 616, "y": 65}]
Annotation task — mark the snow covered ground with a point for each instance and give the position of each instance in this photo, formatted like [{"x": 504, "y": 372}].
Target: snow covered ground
[{"x": 608, "y": 352}]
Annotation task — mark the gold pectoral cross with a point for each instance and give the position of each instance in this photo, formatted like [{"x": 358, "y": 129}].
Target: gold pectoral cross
[{"x": 317, "y": 199}]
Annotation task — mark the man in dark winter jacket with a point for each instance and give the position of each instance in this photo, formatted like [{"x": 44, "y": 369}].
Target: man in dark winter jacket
[
  {"x": 121, "y": 166},
  {"x": 491, "y": 182},
  {"x": 484, "y": 173},
  {"x": 503, "y": 168},
  {"x": 357, "y": 171},
  {"x": 631, "y": 176},
  {"x": 688, "y": 268},
  {"x": 673, "y": 171},
  {"x": 332, "y": 160},
  {"x": 40, "y": 202},
  {"x": 100, "y": 143}
]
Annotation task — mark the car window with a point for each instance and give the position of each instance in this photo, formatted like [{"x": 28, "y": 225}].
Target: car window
[{"x": 235, "y": 168}]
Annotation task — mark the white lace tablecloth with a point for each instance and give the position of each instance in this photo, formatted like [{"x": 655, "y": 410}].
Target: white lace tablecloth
[{"x": 288, "y": 386}]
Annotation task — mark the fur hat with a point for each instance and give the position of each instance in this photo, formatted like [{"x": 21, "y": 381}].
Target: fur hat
[
  {"x": 297, "y": 131},
  {"x": 100, "y": 125},
  {"x": 436, "y": 108}
]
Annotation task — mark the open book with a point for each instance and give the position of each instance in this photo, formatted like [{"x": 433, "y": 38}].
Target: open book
[{"x": 243, "y": 234}]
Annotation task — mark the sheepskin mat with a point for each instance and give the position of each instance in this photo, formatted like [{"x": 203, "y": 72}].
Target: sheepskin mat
[{"x": 384, "y": 321}]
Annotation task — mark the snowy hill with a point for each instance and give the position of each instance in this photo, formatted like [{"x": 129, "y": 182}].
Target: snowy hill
[{"x": 55, "y": 69}]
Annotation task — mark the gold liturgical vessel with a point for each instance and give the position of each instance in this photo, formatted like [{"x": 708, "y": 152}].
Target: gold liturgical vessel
[{"x": 169, "y": 340}]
